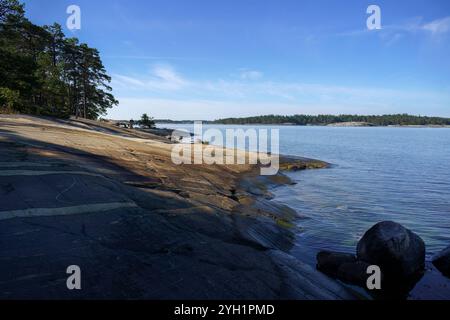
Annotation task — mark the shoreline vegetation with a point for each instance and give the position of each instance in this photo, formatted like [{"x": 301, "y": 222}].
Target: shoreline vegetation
[
  {"x": 171, "y": 231},
  {"x": 391, "y": 120},
  {"x": 43, "y": 72}
]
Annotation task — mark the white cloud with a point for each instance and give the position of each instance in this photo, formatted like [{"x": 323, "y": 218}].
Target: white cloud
[
  {"x": 392, "y": 33},
  {"x": 251, "y": 75},
  {"x": 163, "y": 77},
  {"x": 438, "y": 26},
  {"x": 202, "y": 109},
  {"x": 168, "y": 76},
  {"x": 167, "y": 94},
  {"x": 121, "y": 80}
]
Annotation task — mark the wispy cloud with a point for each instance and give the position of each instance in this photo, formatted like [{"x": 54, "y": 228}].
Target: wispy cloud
[
  {"x": 168, "y": 76},
  {"x": 198, "y": 109},
  {"x": 438, "y": 26},
  {"x": 209, "y": 109},
  {"x": 163, "y": 77},
  {"x": 251, "y": 75},
  {"x": 164, "y": 85},
  {"x": 156, "y": 58},
  {"x": 392, "y": 33},
  {"x": 126, "y": 81}
]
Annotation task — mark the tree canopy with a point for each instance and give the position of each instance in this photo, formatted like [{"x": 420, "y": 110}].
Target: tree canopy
[
  {"x": 44, "y": 73},
  {"x": 146, "y": 121}
]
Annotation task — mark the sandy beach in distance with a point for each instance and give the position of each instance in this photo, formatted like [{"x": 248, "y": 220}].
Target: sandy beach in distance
[{"x": 111, "y": 201}]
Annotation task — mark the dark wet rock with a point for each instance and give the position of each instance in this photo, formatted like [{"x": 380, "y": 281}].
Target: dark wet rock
[
  {"x": 329, "y": 262},
  {"x": 442, "y": 261},
  {"x": 354, "y": 273},
  {"x": 399, "y": 252},
  {"x": 343, "y": 266},
  {"x": 432, "y": 286},
  {"x": 314, "y": 284}
]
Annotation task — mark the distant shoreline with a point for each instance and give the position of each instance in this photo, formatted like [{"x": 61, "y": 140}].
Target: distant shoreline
[
  {"x": 387, "y": 120},
  {"x": 335, "y": 125}
]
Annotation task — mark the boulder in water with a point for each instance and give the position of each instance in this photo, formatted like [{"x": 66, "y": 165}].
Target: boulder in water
[{"x": 399, "y": 252}]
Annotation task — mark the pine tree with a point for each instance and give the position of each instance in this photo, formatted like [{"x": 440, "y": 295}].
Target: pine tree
[
  {"x": 146, "y": 121},
  {"x": 43, "y": 72}
]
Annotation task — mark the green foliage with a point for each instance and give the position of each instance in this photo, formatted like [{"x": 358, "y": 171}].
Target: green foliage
[
  {"x": 303, "y": 120},
  {"x": 146, "y": 121},
  {"x": 8, "y": 99},
  {"x": 11, "y": 7},
  {"x": 51, "y": 74}
]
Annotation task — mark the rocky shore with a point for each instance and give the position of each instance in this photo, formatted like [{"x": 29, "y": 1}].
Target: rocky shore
[
  {"x": 139, "y": 227},
  {"x": 108, "y": 199}
]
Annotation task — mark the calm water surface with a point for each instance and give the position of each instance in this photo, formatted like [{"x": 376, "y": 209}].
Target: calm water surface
[{"x": 398, "y": 174}]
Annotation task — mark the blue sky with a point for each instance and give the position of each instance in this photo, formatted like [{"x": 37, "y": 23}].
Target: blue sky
[{"x": 213, "y": 59}]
